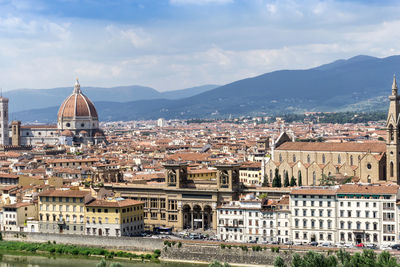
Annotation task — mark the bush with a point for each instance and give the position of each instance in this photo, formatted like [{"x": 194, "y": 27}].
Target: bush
[
  {"x": 179, "y": 244},
  {"x": 222, "y": 246}
]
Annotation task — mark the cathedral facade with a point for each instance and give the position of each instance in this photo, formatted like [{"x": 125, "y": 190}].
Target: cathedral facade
[
  {"x": 313, "y": 163},
  {"x": 77, "y": 123}
]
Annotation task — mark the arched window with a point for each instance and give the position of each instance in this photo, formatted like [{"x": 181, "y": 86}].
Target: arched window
[
  {"x": 391, "y": 137},
  {"x": 314, "y": 178},
  {"x": 270, "y": 174},
  {"x": 351, "y": 160},
  {"x": 391, "y": 169},
  {"x": 280, "y": 157},
  {"x": 294, "y": 158},
  {"x": 308, "y": 159},
  {"x": 323, "y": 158},
  {"x": 339, "y": 159}
]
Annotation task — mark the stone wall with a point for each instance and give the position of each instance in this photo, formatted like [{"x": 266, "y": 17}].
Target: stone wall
[
  {"x": 209, "y": 253},
  {"x": 123, "y": 243}
]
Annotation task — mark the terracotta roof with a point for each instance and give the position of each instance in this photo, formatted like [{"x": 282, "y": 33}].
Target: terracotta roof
[
  {"x": 113, "y": 204},
  {"x": 64, "y": 193},
  {"x": 314, "y": 191},
  {"x": 377, "y": 147},
  {"x": 77, "y": 105},
  {"x": 368, "y": 189}
]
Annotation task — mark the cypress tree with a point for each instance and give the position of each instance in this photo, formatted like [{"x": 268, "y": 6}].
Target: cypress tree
[
  {"x": 286, "y": 182},
  {"x": 275, "y": 180},
  {"x": 300, "y": 179},
  {"x": 292, "y": 181},
  {"x": 279, "y": 182}
]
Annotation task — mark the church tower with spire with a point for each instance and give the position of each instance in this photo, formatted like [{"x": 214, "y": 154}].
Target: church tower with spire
[{"x": 392, "y": 138}]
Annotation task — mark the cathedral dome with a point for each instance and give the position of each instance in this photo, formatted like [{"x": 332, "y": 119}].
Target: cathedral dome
[{"x": 77, "y": 105}]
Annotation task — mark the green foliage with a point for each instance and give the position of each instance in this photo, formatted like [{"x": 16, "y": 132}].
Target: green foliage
[
  {"x": 244, "y": 248},
  {"x": 116, "y": 264},
  {"x": 300, "y": 182},
  {"x": 70, "y": 250},
  {"x": 263, "y": 195},
  {"x": 292, "y": 181},
  {"x": 275, "y": 249},
  {"x": 222, "y": 246},
  {"x": 279, "y": 262},
  {"x": 276, "y": 182},
  {"x": 102, "y": 263},
  {"x": 327, "y": 180},
  {"x": 286, "y": 182},
  {"x": 218, "y": 264},
  {"x": 368, "y": 258},
  {"x": 179, "y": 244}
]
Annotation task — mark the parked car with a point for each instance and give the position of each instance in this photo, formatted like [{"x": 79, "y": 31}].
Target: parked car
[
  {"x": 396, "y": 246},
  {"x": 298, "y": 244},
  {"x": 289, "y": 243},
  {"x": 339, "y": 245},
  {"x": 360, "y": 245},
  {"x": 314, "y": 244},
  {"x": 326, "y": 244},
  {"x": 385, "y": 247},
  {"x": 371, "y": 246},
  {"x": 348, "y": 245}
]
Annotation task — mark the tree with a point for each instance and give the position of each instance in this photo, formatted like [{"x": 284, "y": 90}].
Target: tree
[
  {"x": 102, "y": 263},
  {"x": 292, "y": 181},
  {"x": 275, "y": 181},
  {"x": 218, "y": 264},
  {"x": 263, "y": 195},
  {"x": 300, "y": 183},
  {"x": 386, "y": 260},
  {"x": 279, "y": 262},
  {"x": 286, "y": 182}
]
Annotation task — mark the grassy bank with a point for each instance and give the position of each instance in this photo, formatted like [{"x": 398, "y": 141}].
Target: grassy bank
[{"x": 62, "y": 249}]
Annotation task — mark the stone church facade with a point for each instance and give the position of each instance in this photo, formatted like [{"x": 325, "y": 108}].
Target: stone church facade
[{"x": 371, "y": 162}]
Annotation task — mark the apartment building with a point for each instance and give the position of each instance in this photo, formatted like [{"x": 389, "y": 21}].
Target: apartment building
[
  {"x": 239, "y": 221},
  {"x": 367, "y": 213},
  {"x": 313, "y": 213},
  {"x": 350, "y": 213},
  {"x": 117, "y": 217},
  {"x": 63, "y": 211}
]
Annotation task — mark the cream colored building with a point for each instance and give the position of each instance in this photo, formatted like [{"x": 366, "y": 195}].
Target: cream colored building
[{"x": 63, "y": 211}]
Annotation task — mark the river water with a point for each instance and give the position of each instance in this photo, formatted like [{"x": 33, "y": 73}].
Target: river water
[{"x": 19, "y": 260}]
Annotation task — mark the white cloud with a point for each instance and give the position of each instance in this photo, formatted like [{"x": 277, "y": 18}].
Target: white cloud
[{"x": 43, "y": 52}]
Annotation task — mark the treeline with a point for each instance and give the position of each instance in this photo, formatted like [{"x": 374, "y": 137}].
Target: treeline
[
  {"x": 72, "y": 250},
  {"x": 336, "y": 117},
  {"x": 368, "y": 258}
]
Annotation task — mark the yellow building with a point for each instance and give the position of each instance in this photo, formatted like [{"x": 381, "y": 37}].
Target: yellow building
[
  {"x": 114, "y": 217},
  {"x": 202, "y": 174},
  {"x": 63, "y": 211}
]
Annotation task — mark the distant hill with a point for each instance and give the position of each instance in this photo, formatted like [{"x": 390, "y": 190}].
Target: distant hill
[
  {"x": 26, "y": 99},
  {"x": 359, "y": 83}
]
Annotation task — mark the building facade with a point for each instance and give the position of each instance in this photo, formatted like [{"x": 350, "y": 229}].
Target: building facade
[
  {"x": 369, "y": 162},
  {"x": 118, "y": 217},
  {"x": 63, "y": 211}
]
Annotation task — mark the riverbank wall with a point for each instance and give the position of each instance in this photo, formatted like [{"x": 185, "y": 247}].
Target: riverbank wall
[
  {"x": 235, "y": 255},
  {"x": 121, "y": 243}
]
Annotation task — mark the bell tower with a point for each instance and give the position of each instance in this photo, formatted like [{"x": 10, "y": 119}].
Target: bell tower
[{"x": 392, "y": 137}]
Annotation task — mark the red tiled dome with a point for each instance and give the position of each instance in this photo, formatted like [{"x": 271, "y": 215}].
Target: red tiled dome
[{"x": 77, "y": 105}]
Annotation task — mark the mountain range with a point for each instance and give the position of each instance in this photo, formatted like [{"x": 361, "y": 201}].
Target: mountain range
[{"x": 359, "y": 83}]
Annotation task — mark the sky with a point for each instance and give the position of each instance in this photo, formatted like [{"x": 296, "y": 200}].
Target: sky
[{"x": 175, "y": 44}]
